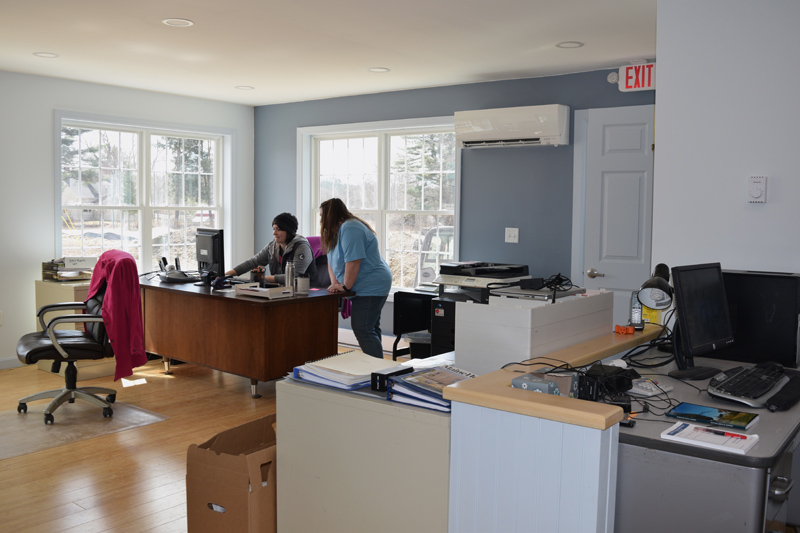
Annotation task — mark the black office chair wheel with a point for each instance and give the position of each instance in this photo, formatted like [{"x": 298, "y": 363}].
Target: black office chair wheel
[
  {"x": 111, "y": 398},
  {"x": 49, "y": 419},
  {"x": 108, "y": 412},
  {"x": 22, "y": 407}
]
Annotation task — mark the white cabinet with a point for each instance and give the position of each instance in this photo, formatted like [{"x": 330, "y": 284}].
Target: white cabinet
[
  {"x": 51, "y": 292},
  {"x": 350, "y": 463}
]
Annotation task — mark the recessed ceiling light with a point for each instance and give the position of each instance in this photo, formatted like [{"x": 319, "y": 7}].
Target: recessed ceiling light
[
  {"x": 569, "y": 44},
  {"x": 46, "y": 55},
  {"x": 244, "y": 87},
  {"x": 379, "y": 69},
  {"x": 178, "y": 23}
]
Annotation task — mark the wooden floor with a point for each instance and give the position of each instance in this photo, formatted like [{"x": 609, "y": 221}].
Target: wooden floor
[{"x": 131, "y": 481}]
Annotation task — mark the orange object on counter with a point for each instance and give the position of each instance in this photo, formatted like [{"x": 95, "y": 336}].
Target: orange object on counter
[{"x": 624, "y": 330}]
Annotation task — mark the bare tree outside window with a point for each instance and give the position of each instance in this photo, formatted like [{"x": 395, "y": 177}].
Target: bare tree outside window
[
  {"x": 103, "y": 203},
  {"x": 408, "y": 195}
]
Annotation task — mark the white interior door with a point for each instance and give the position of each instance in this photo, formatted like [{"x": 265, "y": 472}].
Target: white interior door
[{"x": 612, "y": 225}]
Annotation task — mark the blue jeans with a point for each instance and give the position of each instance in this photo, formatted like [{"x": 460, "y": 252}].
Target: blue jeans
[{"x": 365, "y": 319}]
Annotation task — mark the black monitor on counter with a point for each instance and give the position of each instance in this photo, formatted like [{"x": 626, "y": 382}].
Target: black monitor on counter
[
  {"x": 765, "y": 314},
  {"x": 210, "y": 248},
  {"x": 702, "y": 320}
]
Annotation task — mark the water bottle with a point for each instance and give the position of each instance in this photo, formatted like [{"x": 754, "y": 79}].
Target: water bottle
[{"x": 289, "y": 281}]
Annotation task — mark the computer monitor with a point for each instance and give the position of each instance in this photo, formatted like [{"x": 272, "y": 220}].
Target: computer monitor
[
  {"x": 702, "y": 323},
  {"x": 210, "y": 248}
]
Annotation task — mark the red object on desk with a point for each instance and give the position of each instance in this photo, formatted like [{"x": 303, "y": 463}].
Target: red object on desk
[{"x": 624, "y": 330}]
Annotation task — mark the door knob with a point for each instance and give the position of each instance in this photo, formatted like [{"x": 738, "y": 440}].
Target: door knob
[{"x": 593, "y": 273}]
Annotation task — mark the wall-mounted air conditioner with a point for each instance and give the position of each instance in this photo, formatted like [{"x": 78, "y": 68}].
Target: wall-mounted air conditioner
[{"x": 513, "y": 126}]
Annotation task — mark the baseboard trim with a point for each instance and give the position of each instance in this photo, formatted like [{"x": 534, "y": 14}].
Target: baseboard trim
[{"x": 10, "y": 362}]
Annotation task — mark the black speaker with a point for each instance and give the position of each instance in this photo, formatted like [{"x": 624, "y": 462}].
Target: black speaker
[{"x": 764, "y": 309}]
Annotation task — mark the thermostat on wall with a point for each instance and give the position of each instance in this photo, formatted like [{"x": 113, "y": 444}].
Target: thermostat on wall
[{"x": 757, "y": 190}]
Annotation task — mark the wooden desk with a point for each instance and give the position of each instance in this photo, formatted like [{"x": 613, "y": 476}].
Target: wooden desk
[{"x": 248, "y": 336}]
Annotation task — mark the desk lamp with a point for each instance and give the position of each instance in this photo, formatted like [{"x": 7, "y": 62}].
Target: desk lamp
[{"x": 656, "y": 292}]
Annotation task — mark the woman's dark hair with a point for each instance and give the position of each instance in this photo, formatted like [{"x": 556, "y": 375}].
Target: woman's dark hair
[{"x": 332, "y": 214}]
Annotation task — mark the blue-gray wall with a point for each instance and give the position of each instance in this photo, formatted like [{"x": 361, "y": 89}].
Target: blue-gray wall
[{"x": 527, "y": 188}]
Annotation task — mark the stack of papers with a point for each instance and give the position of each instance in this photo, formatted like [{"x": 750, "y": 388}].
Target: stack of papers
[
  {"x": 348, "y": 370},
  {"x": 716, "y": 439},
  {"x": 68, "y": 269},
  {"x": 424, "y": 388}
]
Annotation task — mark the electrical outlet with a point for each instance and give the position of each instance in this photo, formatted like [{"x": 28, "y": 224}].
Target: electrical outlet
[{"x": 512, "y": 235}]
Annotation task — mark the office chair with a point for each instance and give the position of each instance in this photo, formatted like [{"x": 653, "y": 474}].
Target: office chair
[
  {"x": 68, "y": 346},
  {"x": 323, "y": 279},
  {"x": 115, "y": 285},
  {"x": 411, "y": 313}
]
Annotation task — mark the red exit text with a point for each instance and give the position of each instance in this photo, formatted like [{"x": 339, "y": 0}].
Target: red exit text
[{"x": 637, "y": 77}]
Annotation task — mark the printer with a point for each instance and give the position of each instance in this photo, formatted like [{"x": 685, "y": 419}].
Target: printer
[
  {"x": 479, "y": 275},
  {"x": 467, "y": 281},
  {"x": 474, "y": 279}
]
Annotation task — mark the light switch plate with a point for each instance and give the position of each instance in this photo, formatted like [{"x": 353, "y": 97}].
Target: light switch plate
[{"x": 757, "y": 190}]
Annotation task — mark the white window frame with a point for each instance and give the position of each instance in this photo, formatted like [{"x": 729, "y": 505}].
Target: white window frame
[
  {"x": 224, "y": 167},
  {"x": 306, "y": 164}
]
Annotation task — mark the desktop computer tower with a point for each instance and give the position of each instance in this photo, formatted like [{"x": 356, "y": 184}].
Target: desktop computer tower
[
  {"x": 443, "y": 325},
  {"x": 764, "y": 309}
]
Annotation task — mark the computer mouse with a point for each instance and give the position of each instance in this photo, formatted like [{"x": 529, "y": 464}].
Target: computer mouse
[{"x": 771, "y": 367}]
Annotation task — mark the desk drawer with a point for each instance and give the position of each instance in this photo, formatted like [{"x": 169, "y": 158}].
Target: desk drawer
[{"x": 710, "y": 495}]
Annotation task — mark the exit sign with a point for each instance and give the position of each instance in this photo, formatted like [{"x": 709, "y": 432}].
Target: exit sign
[{"x": 637, "y": 77}]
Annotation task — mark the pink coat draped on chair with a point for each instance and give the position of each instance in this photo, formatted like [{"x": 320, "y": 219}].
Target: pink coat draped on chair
[{"x": 122, "y": 309}]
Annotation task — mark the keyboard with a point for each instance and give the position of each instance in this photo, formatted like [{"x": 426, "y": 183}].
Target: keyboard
[{"x": 749, "y": 385}]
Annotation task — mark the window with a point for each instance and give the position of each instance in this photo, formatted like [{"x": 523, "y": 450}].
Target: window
[
  {"x": 403, "y": 181},
  {"x": 140, "y": 190}
]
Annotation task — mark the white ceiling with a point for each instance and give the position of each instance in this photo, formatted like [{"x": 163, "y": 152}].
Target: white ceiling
[{"x": 312, "y": 49}]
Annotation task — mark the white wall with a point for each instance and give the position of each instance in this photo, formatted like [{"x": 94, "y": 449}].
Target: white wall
[
  {"x": 27, "y": 109},
  {"x": 726, "y": 108}
]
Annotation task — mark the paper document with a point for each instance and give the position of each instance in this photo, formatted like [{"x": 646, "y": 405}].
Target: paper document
[
  {"x": 710, "y": 437},
  {"x": 353, "y": 363}
]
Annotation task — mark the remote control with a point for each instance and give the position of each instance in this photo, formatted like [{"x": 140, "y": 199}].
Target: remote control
[{"x": 648, "y": 387}]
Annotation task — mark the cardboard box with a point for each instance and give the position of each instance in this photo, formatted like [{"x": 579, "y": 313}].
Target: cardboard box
[
  {"x": 230, "y": 480},
  {"x": 489, "y": 336}
]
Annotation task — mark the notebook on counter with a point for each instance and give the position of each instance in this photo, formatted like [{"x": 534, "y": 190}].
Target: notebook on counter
[{"x": 713, "y": 415}]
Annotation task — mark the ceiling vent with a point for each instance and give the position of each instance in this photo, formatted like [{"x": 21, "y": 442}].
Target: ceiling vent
[{"x": 513, "y": 126}]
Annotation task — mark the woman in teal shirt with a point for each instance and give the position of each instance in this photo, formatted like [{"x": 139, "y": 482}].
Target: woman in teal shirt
[{"x": 355, "y": 264}]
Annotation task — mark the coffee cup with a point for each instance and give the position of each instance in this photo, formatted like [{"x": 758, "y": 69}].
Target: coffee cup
[{"x": 301, "y": 285}]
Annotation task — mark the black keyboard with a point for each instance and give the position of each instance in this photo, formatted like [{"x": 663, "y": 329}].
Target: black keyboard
[{"x": 749, "y": 385}]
